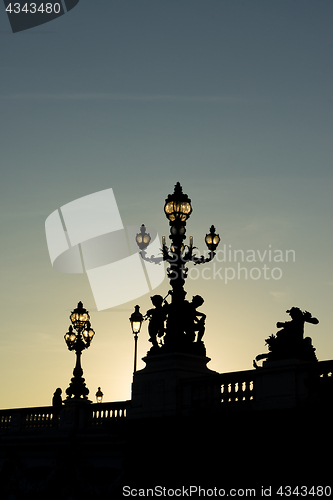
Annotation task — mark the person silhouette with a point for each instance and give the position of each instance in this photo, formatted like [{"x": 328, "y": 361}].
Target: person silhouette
[{"x": 57, "y": 400}]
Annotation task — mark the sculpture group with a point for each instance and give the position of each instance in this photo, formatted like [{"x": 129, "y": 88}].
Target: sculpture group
[
  {"x": 163, "y": 319},
  {"x": 289, "y": 342}
]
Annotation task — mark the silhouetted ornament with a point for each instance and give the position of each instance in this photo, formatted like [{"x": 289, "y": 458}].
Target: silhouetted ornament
[
  {"x": 143, "y": 238},
  {"x": 212, "y": 239},
  {"x": 178, "y": 205}
]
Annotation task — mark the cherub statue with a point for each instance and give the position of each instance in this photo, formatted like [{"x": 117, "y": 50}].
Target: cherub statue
[
  {"x": 156, "y": 317},
  {"x": 194, "y": 320}
]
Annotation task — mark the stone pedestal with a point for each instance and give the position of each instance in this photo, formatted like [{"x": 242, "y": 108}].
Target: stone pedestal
[
  {"x": 281, "y": 384},
  {"x": 156, "y": 390},
  {"x": 73, "y": 413}
]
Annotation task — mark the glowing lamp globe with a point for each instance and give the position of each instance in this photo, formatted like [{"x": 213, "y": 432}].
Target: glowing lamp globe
[
  {"x": 212, "y": 239},
  {"x": 136, "y": 320},
  {"x": 178, "y": 205}
]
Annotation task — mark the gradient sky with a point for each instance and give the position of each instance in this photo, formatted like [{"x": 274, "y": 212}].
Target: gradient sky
[{"x": 231, "y": 98}]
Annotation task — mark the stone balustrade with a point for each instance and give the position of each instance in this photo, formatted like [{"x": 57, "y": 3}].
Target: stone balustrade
[
  {"x": 19, "y": 419},
  {"x": 275, "y": 385}
]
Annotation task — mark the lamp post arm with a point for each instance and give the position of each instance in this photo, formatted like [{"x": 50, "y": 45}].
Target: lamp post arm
[
  {"x": 202, "y": 259},
  {"x": 152, "y": 259}
]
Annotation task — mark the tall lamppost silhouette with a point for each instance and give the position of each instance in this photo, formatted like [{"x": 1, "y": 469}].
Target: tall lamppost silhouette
[
  {"x": 136, "y": 320},
  {"x": 180, "y": 315},
  {"x": 78, "y": 341}
]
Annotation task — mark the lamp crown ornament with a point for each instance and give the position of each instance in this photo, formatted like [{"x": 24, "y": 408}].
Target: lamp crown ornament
[{"x": 178, "y": 205}]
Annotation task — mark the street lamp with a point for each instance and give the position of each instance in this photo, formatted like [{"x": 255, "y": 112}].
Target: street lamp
[
  {"x": 178, "y": 209},
  {"x": 142, "y": 238},
  {"x": 182, "y": 319},
  {"x": 212, "y": 239},
  {"x": 78, "y": 341},
  {"x": 136, "y": 320},
  {"x": 99, "y": 395}
]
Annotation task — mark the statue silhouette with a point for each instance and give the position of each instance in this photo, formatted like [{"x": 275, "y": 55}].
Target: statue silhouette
[
  {"x": 156, "y": 317},
  {"x": 289, "y": 342},
  {"x": 194, "y": 320}
]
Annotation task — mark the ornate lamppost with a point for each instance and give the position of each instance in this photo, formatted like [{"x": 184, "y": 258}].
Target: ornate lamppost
[
  {"x": 78, "y": 341},
  {"x": 136, "y": 320},
  {"x": 182, "y": 319}
]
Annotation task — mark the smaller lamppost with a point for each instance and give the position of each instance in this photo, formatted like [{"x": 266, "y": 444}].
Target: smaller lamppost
[
  {"x": 136, "y": 320},
  {"x": 78, "y": 341},
  {"x": 99, "y": 395},
  {"x": 142, "y": 238}
]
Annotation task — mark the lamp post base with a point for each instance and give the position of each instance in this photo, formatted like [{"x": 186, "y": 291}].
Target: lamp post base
[
  {"x": 157, "y": 389},
  {"x": 77, "y": 389}
]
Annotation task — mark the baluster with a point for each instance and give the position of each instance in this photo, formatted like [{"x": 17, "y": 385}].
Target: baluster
[
  {"x": 231, "y": 390},
  {"x": 241, "y": 389},
  {"x": 237, "y": 392},
  {"x": 247, "y": 390},
  {"x": 222, "y": 393}
]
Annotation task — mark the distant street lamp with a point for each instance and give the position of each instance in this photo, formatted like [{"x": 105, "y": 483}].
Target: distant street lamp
[
  {"x": 142, "y": 238},
  {"x": 136, "y": 320},
  {"x": 78, "y": 341},
  {"x": 212, "y": 239},
  {"x": 99, "y": 395}
]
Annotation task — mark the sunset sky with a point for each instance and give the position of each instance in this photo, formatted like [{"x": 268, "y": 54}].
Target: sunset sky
[{"x": 233, "y": 99}]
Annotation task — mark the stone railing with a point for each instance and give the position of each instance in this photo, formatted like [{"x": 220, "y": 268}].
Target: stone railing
[
  {"x": 324, "y": 369},
  {"x": 25, "y": 418},
  {"x": 19, "y": 419},
  {"x": 260, "y": 389},
  {"x": 275, "y": 386},
  {"x": 234, "y": 390},
  {"x": 106, "y": 412},
  {"x": 320, "y": 382}
]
